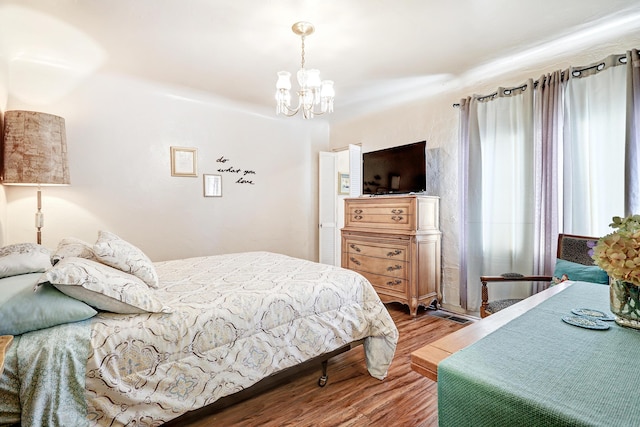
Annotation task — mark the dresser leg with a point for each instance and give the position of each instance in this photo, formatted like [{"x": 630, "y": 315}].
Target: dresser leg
[{"x": 413, "y": 308}]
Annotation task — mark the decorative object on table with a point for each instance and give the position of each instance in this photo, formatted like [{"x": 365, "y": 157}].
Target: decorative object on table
[
  {"x": 35, "y": 154},
  {"x": 585, "y": 322},
  {"x": 618, "y": 254},
  {"x": 625, "y": 303},
  {"x": 315, "y": 96},
  {"x": 184, "y": 161},
  {"x": 594, "y": 314}
]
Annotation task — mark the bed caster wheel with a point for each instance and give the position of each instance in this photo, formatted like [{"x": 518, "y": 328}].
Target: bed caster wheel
[{"x": 323, "y": 381}]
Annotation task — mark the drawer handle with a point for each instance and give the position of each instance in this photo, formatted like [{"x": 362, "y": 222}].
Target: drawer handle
[
  {"x": 394, "y": 253},
  {"x": 355, "y": 261},
  {"x": 394, "y": 267},
  {"x": 355, "y": 248},
  {"x": 357, "y": 217},
  {"x": 394, "y": 282},
  {"x": 358, "y": 211},
  {"x": 397, "y": 211},
  {"x": 397, "y": 218}
]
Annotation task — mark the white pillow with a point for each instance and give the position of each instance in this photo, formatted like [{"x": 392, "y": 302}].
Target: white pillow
[
  {"x": 117, "y": 253},
  {"x": 23, "y": 258},
  {"x": 103, "y": 287},
  {"x": 72, "y": 247}
]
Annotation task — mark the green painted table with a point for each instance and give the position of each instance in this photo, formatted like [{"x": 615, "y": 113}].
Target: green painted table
[{"x": 537, "y": 370}]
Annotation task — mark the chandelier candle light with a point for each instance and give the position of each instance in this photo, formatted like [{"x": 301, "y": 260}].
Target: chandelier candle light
[{"x": 315, "y": 97}]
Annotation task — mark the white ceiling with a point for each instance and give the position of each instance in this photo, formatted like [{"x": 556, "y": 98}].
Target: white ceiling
[{"x": 377, "y": 51}]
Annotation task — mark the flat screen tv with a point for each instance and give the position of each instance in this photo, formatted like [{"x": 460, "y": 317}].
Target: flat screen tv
[{"x": 395, "y": 170}]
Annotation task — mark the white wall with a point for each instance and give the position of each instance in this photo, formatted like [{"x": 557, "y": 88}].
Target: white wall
[
  {"x": 119, "y": 134},
  {"x": 436, "y": 120}
]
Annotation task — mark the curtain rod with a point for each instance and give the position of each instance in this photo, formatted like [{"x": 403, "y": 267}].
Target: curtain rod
[{"x": 622, "y": 59}]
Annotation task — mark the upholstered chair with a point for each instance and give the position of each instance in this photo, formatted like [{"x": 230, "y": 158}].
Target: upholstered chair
[{"x": 573, "y": 262}]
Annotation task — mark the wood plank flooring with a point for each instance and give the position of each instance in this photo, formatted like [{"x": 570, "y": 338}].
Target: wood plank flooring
[{"x": 352, "y": 397}]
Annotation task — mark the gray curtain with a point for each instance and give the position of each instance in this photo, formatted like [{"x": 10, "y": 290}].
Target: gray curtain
[
  {"x": 632, "y": 143},
  {"x": 548, "y": 140},
  {"x": 470, "y": 185}
]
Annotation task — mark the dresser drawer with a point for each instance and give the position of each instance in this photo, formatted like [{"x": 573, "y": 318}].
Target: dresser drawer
[
  {"x": 394, "y": 213},
  {"x": 390, "y": 268},
  {"x": 384, "y": 210},
  {"x": 369, "y": 220},
  {"x": 380, "y": 282},
  {"x": 377, "y": 250}
]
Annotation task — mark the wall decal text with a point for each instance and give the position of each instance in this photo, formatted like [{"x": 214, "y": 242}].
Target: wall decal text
[{"x": 246, "y": 174}]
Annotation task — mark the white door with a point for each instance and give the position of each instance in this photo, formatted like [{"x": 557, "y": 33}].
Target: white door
[{"x": 328, "y": 228}]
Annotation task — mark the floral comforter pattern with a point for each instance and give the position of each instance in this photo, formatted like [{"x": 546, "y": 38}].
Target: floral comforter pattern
[{"x": 235, "y": 319}]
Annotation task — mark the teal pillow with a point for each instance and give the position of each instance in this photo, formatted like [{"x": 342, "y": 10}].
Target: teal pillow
[
  {"x": 581, "y": 273},
  {"x": 23, "y": 310}
]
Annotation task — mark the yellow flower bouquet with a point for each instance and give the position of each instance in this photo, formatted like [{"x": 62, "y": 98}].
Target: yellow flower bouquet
[{"x": 618, "y": 254}]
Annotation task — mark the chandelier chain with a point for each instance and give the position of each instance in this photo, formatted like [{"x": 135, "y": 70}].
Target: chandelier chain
[{"x": 302, "y": 54}]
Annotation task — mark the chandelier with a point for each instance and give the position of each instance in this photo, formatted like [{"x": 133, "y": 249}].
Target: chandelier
[{"x": 315, "y": 97}]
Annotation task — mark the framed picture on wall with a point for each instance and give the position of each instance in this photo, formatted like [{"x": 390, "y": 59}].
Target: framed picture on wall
[
  {"x": 343, "y": 183},
  {"x": 212, "y": 185},
  {"x": 184, "y": 161}
]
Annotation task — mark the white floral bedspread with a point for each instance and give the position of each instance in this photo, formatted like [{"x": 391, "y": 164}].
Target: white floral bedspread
[{"x": 236, "y": 319}]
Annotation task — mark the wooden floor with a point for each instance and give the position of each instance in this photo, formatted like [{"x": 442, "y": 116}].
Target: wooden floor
[{"x": 352, "y": 397}]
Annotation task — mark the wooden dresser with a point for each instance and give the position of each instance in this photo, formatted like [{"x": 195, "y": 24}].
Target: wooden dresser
[{"x": 394, "y": 241}]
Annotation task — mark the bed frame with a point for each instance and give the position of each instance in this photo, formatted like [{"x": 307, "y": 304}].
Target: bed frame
[{"x": 264, "y": 385}]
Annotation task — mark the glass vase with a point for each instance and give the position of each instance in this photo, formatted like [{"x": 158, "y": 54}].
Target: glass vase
[{"x": 625, "y": 303}]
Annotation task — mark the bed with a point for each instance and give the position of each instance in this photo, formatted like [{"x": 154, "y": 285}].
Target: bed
[{"x": 204, "y": 328}]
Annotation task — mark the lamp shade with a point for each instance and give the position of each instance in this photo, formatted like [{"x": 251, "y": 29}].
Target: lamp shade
[{"x": 34, "y": 149}]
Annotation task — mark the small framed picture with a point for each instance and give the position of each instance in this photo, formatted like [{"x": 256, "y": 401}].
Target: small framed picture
[
  {"x": 212, "y": 185},
  {"x": 184, "y": 161},
  {"x": 343, "y": 183},
  {"x": 395, "y": 182}
]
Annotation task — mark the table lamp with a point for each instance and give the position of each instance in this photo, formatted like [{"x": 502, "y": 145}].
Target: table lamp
[{"x": 34, "y": 153}]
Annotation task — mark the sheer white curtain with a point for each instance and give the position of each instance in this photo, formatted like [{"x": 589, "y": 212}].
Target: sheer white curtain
[
  {"x": 502, "y": 189},
  {"x": 594, "y": 147}
]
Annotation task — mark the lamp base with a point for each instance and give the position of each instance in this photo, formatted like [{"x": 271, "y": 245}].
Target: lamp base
[{"x": 39, "y": 218}]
